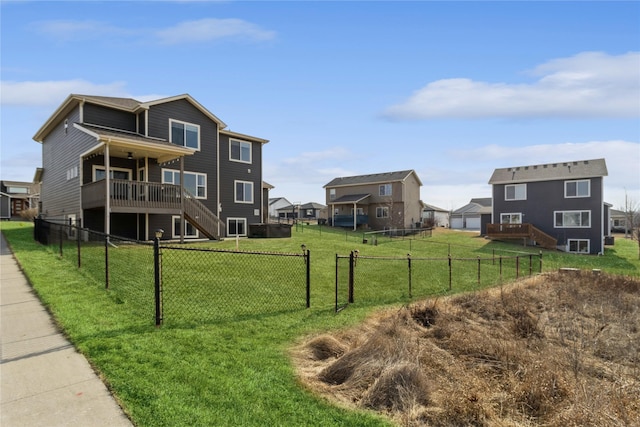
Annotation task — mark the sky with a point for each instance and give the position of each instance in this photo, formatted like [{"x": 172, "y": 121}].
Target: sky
[{"x": 451, "y": 89}]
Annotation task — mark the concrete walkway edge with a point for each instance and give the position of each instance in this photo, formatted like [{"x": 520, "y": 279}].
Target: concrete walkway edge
[{"x": 44, "y": 381}]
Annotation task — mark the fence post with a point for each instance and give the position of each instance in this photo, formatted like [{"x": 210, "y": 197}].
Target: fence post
[
  {"x": 449, "y": 271},
  {"x": 540, "y": 261},
  {"x": 156, "y": 276},
  {"x": 78, "y": 242},
  {"x": 500, "y": 259},
  {"x": 351, "y": 267},
  {"x": 308, "y": 259},
  {"x": 517, "y": 267},
  {"x": 478, "y": 270},
  {"x": 106, "y": 261},
  {"x": 530, "y": 264},
  {"x": 409, "y": 265},
  {"x": 60, "y": 235},
  {"x": 337, "y": 260}
]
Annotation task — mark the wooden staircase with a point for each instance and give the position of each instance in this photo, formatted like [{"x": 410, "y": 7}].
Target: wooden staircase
[
  {"x": 201, "y": 217},
  {"x": 528, "y": 231}
]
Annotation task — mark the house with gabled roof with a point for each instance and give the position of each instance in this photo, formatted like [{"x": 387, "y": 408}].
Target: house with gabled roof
[
  {"x": 475, "y": 215},
  {"x": 19, "y": 196},
  {"x": 555, "y": 205},
  {"x": 434, "y": 216},
  {"x": 128, "y": 168},
  {"x": 389, "y": 200}
]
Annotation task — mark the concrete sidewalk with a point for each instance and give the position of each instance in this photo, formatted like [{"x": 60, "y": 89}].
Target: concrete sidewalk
[{"x": 44, "y": 380}]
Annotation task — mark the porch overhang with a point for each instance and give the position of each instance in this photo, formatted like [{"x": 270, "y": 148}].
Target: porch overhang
[{"x": 134, "y": 146}]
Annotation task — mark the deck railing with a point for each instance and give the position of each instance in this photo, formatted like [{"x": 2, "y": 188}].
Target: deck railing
[{"x": 132, "y": 194}]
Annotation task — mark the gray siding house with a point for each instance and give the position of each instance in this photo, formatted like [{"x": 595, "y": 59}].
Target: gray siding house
[
  {"x": 172, "y": 166},
  {"x": 389, "y": 200},
  {"x": 557, "y": 205},
  {"x": 18, "y": 196}
]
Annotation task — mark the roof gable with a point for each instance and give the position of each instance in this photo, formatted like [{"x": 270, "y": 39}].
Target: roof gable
[
  {"x": 550, "y": 172},
  {"x": 375, "y": 178}
]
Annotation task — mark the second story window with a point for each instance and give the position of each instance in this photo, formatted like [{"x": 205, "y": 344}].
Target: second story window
[
  {"x": 185, "y": 134},
  {"x": 240, "y": 151},
  {"x": 244, "y": 192},
  {"x": 385, "y": 190},
  {"x": 332, "y": 194},
  {"x": 515, "y": 192},
  {"x": 580, "y": 188}
]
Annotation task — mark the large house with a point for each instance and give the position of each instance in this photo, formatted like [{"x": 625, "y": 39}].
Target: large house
[
  {"x": 557, "y": 205},
  {"x": 19, "y": 196},
  {"x": 171, "y": 165},
  {"x": 378, "y": 201}
]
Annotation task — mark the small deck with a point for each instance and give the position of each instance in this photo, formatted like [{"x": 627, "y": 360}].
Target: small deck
[
  {"x": 133, "y": 196},
  {"x": 521, "y": 231}
]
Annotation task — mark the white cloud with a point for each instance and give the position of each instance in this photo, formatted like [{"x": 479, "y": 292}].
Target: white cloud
[
  {"x": 52, "y": 93},
  {"x": 589, "y": 84},
  {"x": 66, "y": 30},
  {"x": 210, "y": 29}
]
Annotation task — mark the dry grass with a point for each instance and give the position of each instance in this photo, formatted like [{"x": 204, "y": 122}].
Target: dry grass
[{"x": 559, "y": 349}]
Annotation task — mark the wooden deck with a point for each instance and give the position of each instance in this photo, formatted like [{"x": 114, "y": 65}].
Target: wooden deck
[{"x": 519, "y": 231}]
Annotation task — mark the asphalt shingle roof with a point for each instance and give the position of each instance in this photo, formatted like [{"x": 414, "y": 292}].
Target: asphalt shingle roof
[
  {"x": 370, "y": 179},
  {"x": 550, "y": 172}
]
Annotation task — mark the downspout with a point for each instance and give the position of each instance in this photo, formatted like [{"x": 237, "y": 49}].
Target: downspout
[
  {"x": 182, "y": 225},
  {"x": 107, "y": 180},
  {"x": 218, "y": 204},
  {"x": 601, "y": 216}
]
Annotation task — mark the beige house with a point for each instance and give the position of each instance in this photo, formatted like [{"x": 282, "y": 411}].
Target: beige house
[{"x": 380, "y": 201}]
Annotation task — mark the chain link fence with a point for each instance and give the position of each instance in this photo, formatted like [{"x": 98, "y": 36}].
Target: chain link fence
[
  {"x": 213, "y": 285},
  {"x": 181, "y": 284},
  {"x": 384, "y": 280}
]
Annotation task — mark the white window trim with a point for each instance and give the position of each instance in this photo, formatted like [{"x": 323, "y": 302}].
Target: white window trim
[
  {"x": 381, "y": 186},
  {"x": 332, "y": 194},
  {"x": 240, "y": 160},
  {"x": 382, "y": 209},
  {"x": 515, "y": 185},
  {"x": 162, "y": 171},
  {"x": 510, "y": 214},
  {"x": 175, "y": 235},
  {"x": 235, "y": 192},
  {"x": 171, "y": 121},
  {"x": 576, "y": 182},
  {"x": 588, "y": 251},
  {"x": 99, "y": 167},
  {"x": 571, "y": 226},
  {"x": 237, "y": 220}
]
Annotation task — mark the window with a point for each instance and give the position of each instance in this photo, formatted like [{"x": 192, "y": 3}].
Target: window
[
  {"x": 240, "y": 151},
  {"x": 185, "y": 134},
  {"x": 359, "y": 211},
  {"x": 382, "y": 212},
  {"x": 580, "y": 246},
  {"x": 114, "y": 173},
  {"x": 310, "y": 212},
  {"x": 194, "y": 183},
  {"x": 189, "y": 230},
  {"x": 72, "y": 173},
  {"x": 580, "y": 188},
  {"x": 244, "y": 192},
  {"x": 332, "y": 194},
  {"x": 19, "y": 190},
  {"x": 511, "y": 218},
  {"x": 515, "y": 192},
  {"x": 572, "y": 219},
  {"x": 385, "y": 190},
  {"x": 237, "y": 226}
]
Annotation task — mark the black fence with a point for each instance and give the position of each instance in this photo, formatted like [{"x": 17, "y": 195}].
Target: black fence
[
  {"x": 381, "y": 280},
  {"x": 182, "y": 284}
]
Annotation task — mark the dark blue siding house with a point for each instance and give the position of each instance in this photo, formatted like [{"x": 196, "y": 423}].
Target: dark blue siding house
[{"x": 557, "y": 205}]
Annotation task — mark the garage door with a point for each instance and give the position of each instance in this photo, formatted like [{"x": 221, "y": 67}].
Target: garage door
[
  {"x": 456, "y": 223},
  {"x": 473, "y": 223}
]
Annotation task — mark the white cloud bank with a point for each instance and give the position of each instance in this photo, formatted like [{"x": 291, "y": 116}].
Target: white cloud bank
[
  {"x": 195, "y": 31},
  {"x": 587, "y": 85}
]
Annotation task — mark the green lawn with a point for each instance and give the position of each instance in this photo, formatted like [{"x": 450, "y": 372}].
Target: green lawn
[{"x": 237, "y": 372}]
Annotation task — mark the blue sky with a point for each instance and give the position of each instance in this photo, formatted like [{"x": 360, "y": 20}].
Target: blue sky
[{"x": 452, "y": 89}]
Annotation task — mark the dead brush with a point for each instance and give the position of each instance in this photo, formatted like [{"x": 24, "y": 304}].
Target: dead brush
[
  {"x": 400, "y": 387},
  {"x": 325, "y": 346}
]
